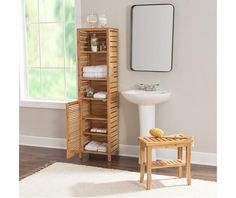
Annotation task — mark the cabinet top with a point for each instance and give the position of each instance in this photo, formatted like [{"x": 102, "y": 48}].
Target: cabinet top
[{"x": 96, "y": 29}]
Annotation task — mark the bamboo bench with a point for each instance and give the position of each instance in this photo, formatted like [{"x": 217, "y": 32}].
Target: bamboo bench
[{"x": 149, "y": 143}]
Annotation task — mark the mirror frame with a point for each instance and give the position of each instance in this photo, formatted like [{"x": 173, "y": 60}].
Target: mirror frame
[{"x": 131, "y": 36}]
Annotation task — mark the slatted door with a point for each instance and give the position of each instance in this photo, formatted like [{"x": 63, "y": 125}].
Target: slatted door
[{"x": 73, "y": 136}]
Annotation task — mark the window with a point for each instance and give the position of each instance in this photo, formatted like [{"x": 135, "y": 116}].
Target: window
[{"x": 50, "y": 30}]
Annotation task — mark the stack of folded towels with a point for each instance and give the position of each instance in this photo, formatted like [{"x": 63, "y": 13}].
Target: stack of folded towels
[
  {"x": 96, "y": 146},
  {"x": 98, "y": 71},
  {"x": 100, "y": 94},
  {"x": 98, "y": 130}
]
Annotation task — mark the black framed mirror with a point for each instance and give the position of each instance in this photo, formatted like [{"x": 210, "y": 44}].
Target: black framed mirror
[{"x": 152, "y": 32}]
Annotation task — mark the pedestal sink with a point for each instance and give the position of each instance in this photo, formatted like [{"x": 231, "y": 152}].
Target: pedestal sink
[{"x": 146, "y": 100}]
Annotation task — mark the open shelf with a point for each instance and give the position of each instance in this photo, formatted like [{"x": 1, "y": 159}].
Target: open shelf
[
  {"x": 104, "y": 79},
  {"x": 95, "y": 134},
  {"x": 90, "y": 52},
  {"x": 97, "y": 99},
  {"x": 94, "y": 152},
  {"x": 93, "y": 117},
  {"x": 167, "y": 163}
]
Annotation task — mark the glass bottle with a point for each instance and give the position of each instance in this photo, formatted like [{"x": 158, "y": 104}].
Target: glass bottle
[{"x": 94, "y": 43}]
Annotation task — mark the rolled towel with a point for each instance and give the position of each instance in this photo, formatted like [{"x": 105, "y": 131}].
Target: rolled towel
[
  {"x": 102, "y": 147},
  {"x": 101, "y": 130},
  {"x": 100, "y": 94},
  {"x": 98, "y": 130},
  {"x": 97, "y": 68},
  {"x": 93, "y": 130},
  {"x": 94, "y": 74}
]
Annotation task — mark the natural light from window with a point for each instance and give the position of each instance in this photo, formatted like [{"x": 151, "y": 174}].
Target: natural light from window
[{"x": 50, "y": 30}]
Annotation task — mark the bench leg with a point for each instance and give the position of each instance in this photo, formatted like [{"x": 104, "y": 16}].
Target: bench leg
[
  {"x": 180, "y": 156},
  {"x": 188, "y": 164},
  {"x": 149, "y": 166},
  {"x": 142, "y": 164}
]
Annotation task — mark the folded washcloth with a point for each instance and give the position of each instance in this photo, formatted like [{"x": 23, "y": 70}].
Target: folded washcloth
[
  {"x": 100, "y": 94},
  {"x": 102, "y": 147},
  {"x": 97, "y": 68},
  {"x": 94, "y": 74}
]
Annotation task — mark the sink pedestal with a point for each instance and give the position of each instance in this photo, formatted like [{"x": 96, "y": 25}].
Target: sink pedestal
[
  {"x": 146, "y": 100},
  {"x": 146, "y": 119}
]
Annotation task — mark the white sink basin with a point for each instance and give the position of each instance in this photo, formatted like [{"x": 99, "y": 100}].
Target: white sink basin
[{"x": 142, "y": 97}]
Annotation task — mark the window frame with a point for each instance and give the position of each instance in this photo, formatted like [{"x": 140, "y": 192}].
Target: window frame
[{"x": 25, "y": 101}]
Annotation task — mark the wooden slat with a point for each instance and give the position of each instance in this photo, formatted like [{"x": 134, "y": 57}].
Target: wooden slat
[
  {"x": 115, "y": 147},
  {"x": 73, "y": 129},
  {"x": 167, "y": 163}
]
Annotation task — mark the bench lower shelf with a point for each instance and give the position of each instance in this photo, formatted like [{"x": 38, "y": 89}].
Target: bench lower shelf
[
  {"x": 94, "y": 152},
  {"x": 167, "y": 163}
]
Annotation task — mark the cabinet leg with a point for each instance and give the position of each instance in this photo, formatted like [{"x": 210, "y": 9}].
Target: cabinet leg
[
  {"x": 188, "y": 164},
  {"x": 109, "y": 158},
  {"x": 149, "y": 166},
  {"x": 142, "y": 164},
  {"x": 180, "y": 156}
]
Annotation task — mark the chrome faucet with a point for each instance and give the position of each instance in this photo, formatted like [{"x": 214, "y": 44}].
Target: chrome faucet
[{"x": 148, "y": 87}]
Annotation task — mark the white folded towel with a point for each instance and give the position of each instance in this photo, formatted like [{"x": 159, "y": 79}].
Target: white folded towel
[
  {"x": 93, "y": 130},
  {"x": 98, "y": 130},
  {"x": 100, "y": 94},
  {"x": 97, "y": 68},
  {"x": 92, "y": 146},
  {"x": 102, "y": 147},
  {"x": 94, "y": 74}
]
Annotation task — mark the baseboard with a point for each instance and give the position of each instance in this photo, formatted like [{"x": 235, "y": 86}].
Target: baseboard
[
  {"x": 59, "y": 143},
  {"x": 125, "y": 150}
]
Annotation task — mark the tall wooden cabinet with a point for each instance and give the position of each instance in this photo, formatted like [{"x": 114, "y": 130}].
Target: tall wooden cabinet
[{"x": 89, "y": 112}]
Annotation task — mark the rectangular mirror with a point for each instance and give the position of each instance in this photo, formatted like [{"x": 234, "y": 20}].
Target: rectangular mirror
[{"x": 152, "y": 37}]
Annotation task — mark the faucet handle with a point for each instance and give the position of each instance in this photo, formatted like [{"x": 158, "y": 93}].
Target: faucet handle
[{"x": 148, "y": 87}]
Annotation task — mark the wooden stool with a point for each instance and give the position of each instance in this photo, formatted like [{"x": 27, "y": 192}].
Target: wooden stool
[{"x": 150, "y": 143}]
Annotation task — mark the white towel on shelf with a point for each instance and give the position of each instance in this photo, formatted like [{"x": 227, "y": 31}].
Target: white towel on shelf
[
  {"x": 101, "y": 130},
  {"x": 102, "y": 147},
  {"x": 97, "y": 68},
  {"x": 98, "y": 130},
  {"x": 100, "y": 94},
  {"x": 94, "y": 74},
  {"x": 92, "y": 146},
  {"x": 93, "y": 130}
]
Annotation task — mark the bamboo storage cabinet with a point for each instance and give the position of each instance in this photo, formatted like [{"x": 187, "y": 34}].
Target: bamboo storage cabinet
[{"x": 90, "y": 112}]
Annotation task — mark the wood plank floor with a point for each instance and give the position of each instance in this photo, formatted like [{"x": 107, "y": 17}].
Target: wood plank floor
[{"x": 32, "y": 158}]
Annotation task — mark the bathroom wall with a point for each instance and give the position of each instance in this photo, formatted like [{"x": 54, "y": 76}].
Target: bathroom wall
[{"x": 192, "y": 107}]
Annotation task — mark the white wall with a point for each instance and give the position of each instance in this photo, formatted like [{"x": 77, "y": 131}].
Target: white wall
[{"x": 192, "y": 107}]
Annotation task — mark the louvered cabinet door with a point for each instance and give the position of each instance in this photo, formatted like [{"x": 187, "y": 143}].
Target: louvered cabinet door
[{"x": 73, "y": 137}]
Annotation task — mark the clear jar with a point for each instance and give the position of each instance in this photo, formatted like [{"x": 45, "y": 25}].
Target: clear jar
[{"x": 102, "y": 20}]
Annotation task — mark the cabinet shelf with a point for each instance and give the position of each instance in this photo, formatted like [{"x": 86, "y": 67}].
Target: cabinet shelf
[
  {"x": 95, "y": 134},
  {"x": 97, "y": 99},
  {"x": 85, "y": 79},
  {"x": 90, "y": 52},
  {"x": 93, "y": 117}
]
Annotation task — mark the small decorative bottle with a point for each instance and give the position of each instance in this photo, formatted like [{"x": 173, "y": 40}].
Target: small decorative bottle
[{"x": 94, "y": 43}]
